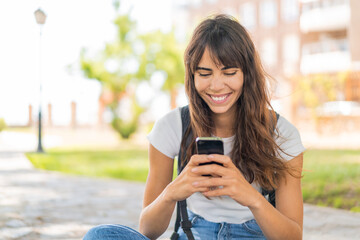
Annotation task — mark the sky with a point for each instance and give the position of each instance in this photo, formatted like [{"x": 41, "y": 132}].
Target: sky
[{"x": 70, "y": 26}]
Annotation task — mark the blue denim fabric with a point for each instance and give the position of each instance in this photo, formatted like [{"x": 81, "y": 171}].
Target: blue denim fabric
[
  {"x": 201, "y": 229},
  {"x": 113, "y": 232}
]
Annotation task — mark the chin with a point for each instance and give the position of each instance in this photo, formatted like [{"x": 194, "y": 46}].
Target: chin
[{"x": 219, "y": 109}]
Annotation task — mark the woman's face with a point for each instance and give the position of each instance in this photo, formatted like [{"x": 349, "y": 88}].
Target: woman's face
[{"x": 219, "y": 86}]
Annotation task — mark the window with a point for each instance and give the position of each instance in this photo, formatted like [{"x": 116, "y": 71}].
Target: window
[
  {"x": 290, "y": 49},
  {"x": 290, "y": 54},
  {"x": 269, "y": 52},
  {"x": 289, "y": 10},
  {"x": 248, "y": 15},
  {"x": 268, "y": 13}
]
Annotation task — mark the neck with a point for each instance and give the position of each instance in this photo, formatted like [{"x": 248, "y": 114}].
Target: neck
[{"x": 224, "y": 125}]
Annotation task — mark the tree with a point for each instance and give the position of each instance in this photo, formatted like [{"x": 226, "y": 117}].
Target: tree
[
  {"x": 130, "y": 59},
  {"x": 165, "y": 53},
  {"x": 111, "y": 69}
]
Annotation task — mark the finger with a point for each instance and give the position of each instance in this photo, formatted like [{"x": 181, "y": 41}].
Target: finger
[
  {"x": 197, "y": 159},
  {"x": 201, "y": 189},
  {"x": 215, "y": 176},
  {"x": 222, "y": 159},
  {"x": 215, "y": 193},
  {"x": 211, "y": 169},
  {"x": 212, "y": 188},
  {"x": 212, "y": 182}
]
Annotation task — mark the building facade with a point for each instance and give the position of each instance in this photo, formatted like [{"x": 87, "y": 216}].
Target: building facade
[
  {"x": 294, "y": 38},
  {"x": 330, "y": 31}
]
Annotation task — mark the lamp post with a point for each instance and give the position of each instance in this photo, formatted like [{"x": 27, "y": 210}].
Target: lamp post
[{"x": 40, "y": 17}]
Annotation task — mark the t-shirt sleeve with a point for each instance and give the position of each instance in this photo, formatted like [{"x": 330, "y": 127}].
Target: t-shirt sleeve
[
  {"x": 289, "y": 140},
  {"x": 166, "y": 134}
]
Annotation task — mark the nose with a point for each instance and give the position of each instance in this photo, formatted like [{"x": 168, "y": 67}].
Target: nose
[{"x": 217, "y": 83}]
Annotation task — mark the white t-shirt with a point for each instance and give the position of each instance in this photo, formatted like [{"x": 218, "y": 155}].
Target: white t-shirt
[{"x": 166, "y": 137}]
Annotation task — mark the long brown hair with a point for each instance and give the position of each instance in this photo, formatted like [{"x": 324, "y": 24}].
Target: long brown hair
[{"x": 255, "y": 151}]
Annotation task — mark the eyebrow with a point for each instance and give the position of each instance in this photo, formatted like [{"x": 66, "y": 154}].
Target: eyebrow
[
  {"x": 202, "y": 68},
  {"x": 209, "y": 69},
  {"x": 224, "y": 68}
]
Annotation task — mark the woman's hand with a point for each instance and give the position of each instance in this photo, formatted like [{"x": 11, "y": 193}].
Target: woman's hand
[
  {"x": 183, "y": 186},
  {"x": 230, "y": 181}
]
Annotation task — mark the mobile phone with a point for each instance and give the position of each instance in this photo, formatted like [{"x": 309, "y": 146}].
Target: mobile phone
[{"x": 210, "y": 145}]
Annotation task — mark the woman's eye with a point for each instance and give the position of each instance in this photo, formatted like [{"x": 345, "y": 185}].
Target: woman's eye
[
  {"x": 204, "y": 74},
  {"x": 230, "y": 73}
]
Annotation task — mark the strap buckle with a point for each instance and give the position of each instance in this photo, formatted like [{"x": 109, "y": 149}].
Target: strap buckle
[{"x": 185, "y": 225}]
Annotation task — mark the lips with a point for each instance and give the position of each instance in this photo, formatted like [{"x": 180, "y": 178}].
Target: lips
[{"x": 219, "y": 98}]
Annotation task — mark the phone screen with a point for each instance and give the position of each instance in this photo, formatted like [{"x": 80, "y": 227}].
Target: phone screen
[{"x": 210, "y": 145}]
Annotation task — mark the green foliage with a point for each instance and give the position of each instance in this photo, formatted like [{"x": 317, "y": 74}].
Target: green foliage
[
  {"x": 314, "y": 90},
  {"x": 2, "y": 124},
  {"x": 164, "y": 53},
  {"x": 125, "y": 129},
  {"x": 117, "y": 53},
  {"x": 130, "y": 59},
  {"x": 117, "y": 77}
]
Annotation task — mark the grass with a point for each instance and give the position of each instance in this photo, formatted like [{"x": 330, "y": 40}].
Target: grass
[
  {"x": 331, "y": 177},
  {"x": 129, "y": 164}
]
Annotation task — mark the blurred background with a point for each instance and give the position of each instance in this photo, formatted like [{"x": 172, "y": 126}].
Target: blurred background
[
  {"x": 101, "y": 72},
  {"x": 118, "y": 63}
]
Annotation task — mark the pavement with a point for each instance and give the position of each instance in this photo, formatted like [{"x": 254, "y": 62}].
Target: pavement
[{"x": 37, "y": 204}]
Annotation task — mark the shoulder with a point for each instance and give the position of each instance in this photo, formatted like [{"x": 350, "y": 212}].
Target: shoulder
[
  {"x": 173, "y": 118},
  {"x": 288, "y": 138},
  {"x": 165, "y": 136},
  {"x": 286, "y": 128}
]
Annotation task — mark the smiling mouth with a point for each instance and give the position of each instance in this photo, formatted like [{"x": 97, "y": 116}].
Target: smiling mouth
[{"x": 219, "y": 98}]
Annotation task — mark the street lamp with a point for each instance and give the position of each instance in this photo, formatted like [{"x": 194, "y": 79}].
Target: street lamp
[{"x": 40, "y": 17}]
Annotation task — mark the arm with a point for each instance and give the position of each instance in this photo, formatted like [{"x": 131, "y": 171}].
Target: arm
[
  {"x": 157, "y": 209},
  {"x": 161, "y": 194},
  {"x": 284, "y": 221}
]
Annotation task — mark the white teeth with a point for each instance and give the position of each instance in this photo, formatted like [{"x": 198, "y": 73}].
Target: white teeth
[{"x": 218, "y": 98}]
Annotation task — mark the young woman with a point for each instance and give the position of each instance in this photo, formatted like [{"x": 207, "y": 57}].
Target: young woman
[{"x": 228, "y": 98}]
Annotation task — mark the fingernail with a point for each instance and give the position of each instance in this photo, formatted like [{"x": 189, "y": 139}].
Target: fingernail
[
  {"x": 194, "y": 170},
  {"x": 211, "y": 156},
  {"x": 195, "y": 183}
]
